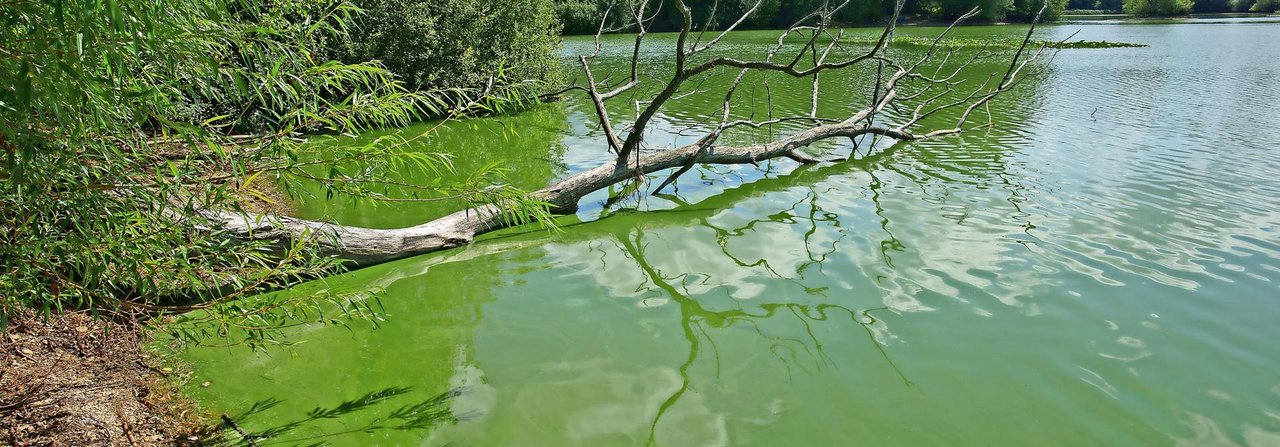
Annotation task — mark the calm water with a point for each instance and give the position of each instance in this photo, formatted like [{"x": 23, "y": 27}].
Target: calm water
[{"x": 1101, "y": 267}]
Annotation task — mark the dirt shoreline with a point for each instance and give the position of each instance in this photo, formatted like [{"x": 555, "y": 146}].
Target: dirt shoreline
[
  {"x": 71, "y": 379},
  {"x": 74, "y": 380}
]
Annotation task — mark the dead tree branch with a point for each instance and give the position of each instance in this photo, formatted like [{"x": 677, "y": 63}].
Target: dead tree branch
[{"x": 927, "y": 94}]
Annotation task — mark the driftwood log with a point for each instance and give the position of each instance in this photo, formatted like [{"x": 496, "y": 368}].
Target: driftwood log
[{"x": 932, "y": 93}]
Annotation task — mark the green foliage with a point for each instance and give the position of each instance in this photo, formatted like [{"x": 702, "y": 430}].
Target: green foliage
[
  {"x": 583, "y": 16},
  {"x": 117, "y": 123},
  {"x": 1215, "y": 6},
  {"x": 1210, "y": 6},
  {"x": 1265, "y": 6},
  {"x": 990, "y": 10},
  {"x": 1092, "y": 7},
  {"x": 257, "y": 322},
  {"x": 1025, "y": 10},
  {"x": 456, "y": 43},
  {"x": 1147, "y": 8},
  {"x": 579, "y": 16},
  {"x": 1086, "y": 7},
  {"x": 1094, "y": 44},
  {"x": 1241, "y": 5},
  {"x": 1010, "y": 43}
]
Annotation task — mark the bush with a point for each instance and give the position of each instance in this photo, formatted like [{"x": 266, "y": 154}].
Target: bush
[
  {"x": 110, "y": 184},
  {"x": 579, "y": 16},
  {"x": 1148, "y": 8},
  {"x": 583, "y": 16},
  {"x": 433, "y": 44},
  {"x": 1265, "y": 6},
  {"x": 1025, "y": 10},
  {"x": 1211, "y": 6}
]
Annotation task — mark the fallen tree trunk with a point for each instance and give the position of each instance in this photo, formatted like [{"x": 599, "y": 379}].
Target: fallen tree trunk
[{"x": 368, "y": 246}]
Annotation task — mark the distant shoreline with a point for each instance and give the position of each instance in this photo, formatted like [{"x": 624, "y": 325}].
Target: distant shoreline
[{"x": 1089, "y": 14}]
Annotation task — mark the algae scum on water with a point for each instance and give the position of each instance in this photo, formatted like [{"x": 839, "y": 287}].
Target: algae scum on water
[{"x": 1097, "y": 267}]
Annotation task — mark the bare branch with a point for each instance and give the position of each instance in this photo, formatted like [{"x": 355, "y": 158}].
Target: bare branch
[
  {"x": 698, "y": 49},
  {"x": 922, "y": 94},
  {"x": 634, "y": 138},
  {"x": 615, "y": 144}
]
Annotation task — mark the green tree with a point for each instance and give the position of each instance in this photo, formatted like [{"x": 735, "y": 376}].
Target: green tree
[
  {"x": 579, "y": 16},
  {"x": 115, "y": 181},
  {"x": 1147, "y": 8},
  {"x": 1209, "y": 6},
  {"x": 1025, "y": 10},
  {"x": 1241, "y": 5},
  {"x": 457, "y": 43},
  {"x": 1265, "y": 6},
  {"x": 583, "y": 16},
  {"x": 991, "y": 10}
]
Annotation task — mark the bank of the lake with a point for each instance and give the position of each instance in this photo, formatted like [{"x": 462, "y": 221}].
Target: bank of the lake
[
  {"x": 1097, "y": 268},
  {"x": 73, "y": 378}
]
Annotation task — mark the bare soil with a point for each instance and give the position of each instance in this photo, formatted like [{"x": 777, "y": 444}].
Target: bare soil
[{"x": 70, "y": 379}]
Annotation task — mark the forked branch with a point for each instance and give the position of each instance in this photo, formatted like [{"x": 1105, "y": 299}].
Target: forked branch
[{"x": 926, "y": 94}]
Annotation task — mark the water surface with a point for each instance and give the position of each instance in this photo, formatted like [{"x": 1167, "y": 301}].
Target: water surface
[{"x": 1100, "y": 267}]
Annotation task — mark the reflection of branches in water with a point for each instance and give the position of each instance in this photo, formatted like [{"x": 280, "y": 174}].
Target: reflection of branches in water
[
  {"x": 814, "y": 209},
  {"x": 628, "y": 195},
  {"x": 415, "y": 416},
  {"x": 892, "y": 243},
  {"x": 866, "y": 325},
  {"x": 948, "y": 174},
  {"x": 1017, "y": 195},
  {"x": 787, "y": 216},
  {"x": 695, "y": 321},
  {"x": 689, "y": 309}
]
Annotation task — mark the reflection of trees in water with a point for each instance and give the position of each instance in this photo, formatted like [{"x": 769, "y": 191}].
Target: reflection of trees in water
[
  {"x": 989, "y": 167},
  {"x": 698, "y": 322},
  {"x": 421, "y": 415},
  {"x": 800, "y": 352},
  {"x": 814, "y": 233},
  {"x": 891, "y": 243}
]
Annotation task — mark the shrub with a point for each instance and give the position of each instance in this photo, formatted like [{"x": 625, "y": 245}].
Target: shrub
[
  {"x": 1210, "y": 6},
  {"x": 432, "y": 44},
  {"x": 109, "y": 185},
  {"x": 1025, "y": 10},
  {"x": 1157, "y": 7},
  {"x": 579, "y": 16}
]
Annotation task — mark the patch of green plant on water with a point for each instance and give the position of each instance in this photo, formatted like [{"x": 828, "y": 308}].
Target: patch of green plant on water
[
  {"x": 1090, "y": 12},
  {"x": 1095, "y": 44},
  {"x": 1008, "y": 43}
]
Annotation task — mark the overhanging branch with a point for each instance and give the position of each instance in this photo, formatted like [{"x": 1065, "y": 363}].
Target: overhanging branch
[{"x": 365, "y": 246}]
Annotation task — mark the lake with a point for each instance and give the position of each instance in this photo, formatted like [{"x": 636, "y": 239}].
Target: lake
[{"x": 1101, "y": 266}]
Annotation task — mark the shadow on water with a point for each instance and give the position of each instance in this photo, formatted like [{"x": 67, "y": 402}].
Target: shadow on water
[{"x": 414, "y": 416}]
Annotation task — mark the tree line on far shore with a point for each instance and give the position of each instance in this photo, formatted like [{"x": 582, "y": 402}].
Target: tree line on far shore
[
  {"x": 1168, "y": 8},
  {"x": 584, "y": 16}
]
